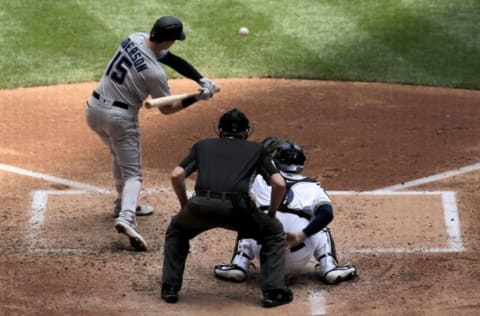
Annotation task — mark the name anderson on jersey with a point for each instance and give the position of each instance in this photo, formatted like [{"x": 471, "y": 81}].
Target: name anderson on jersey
[{"x": 134, "y": 53}]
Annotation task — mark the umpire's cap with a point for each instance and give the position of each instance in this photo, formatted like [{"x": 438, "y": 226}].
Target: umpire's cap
[
  {"x": 167, "y": 28},
  {"x": 234, "y": 121}
]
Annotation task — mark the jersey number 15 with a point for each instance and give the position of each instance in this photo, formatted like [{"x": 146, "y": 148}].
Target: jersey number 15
[{"x": 118, "y": 68}]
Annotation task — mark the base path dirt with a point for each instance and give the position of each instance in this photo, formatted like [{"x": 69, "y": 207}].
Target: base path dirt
[{"x": 416, "y": 242}]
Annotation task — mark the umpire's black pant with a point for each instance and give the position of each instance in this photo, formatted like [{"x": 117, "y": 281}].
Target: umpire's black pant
[{"x": 203, "y": 213}]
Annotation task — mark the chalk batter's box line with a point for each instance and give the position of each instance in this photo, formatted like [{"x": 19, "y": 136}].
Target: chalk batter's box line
[
  {"x": 40, "y": 199},
  {"x": 450, "y": 215},
  {"x": 449, "y": 202}
]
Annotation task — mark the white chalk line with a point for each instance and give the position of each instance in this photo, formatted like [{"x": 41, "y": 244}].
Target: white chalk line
[
  {"x": 49, "y": 178},
  {"x": 318, "y": 298},
  {"x": 318, "y": 306},
  {"x": 450, "y": 215},
  {"x": 432, "y": 178},
  {"x": 40, "y": 199}
]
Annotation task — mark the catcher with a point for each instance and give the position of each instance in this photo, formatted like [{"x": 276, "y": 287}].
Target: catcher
[{"x": 305, "y": 213}]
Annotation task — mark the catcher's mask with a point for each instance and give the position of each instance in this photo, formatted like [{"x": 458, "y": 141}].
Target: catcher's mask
[
  {"x": 289, "y": 157},
  {"x": 167, "y": 28},
  {"x": 233, "y": 123}
]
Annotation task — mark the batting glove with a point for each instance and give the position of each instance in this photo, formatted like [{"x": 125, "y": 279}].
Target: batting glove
[
  {"x": 204, "y": 94},
  {"x": 210, "y": 85}
]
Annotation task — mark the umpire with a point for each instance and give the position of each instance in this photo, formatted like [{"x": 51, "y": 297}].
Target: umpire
[{"x": 225, "y": 168}]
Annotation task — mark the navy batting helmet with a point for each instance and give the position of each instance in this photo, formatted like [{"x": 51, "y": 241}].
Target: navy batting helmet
[{"x": 167, "y": 28}]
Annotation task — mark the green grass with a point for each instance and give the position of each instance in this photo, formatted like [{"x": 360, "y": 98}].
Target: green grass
[{"x": 424, "y": 42}]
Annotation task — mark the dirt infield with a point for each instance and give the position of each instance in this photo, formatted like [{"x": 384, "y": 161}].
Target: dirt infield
[{"x": 402, "y": 164}]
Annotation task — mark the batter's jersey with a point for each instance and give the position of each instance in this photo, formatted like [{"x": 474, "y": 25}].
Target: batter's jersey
[
  {"x": 134, "y": 73},
  {"x": 303, "y": 196}
]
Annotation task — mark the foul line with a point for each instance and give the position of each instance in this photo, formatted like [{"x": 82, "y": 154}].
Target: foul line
[
  {"x": 46, "y": 177},
  {"x": 433, "y": 178}
]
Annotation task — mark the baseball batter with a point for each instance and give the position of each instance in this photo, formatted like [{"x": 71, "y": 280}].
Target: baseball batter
[
  {"x": 134, "y": 73},
  {"x": 304, "y": 214}
]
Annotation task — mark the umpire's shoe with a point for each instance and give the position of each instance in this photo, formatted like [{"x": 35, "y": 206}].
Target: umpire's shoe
[
  {"x": 277, "y": 297},
  {"x": 169, "y": 293},
  {"x": 230, "y": 272},
  {"x": 126, "y": 224},
  {"x": 340, "y": 274}
]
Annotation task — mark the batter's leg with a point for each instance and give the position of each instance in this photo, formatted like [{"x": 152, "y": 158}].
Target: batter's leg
[
  {"x": 117, "y": 176},
  {"x": 130, "y": 193},
  {"x": 126, "y": 152}
]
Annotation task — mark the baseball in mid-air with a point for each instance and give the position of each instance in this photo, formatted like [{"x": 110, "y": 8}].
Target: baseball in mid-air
[{"x": 243, "y": 31}]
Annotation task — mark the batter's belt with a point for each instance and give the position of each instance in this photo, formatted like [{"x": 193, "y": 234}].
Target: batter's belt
[{"x": 119, "y": 104}]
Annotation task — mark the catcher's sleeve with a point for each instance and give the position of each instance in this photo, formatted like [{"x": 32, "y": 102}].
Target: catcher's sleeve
[{"x": 323, "y": 217}]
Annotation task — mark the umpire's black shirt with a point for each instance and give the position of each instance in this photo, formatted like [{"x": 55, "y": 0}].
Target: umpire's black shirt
[{"x": 227, "y": 164}]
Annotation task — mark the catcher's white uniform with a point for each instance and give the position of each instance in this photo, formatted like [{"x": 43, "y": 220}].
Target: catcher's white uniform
[{"x": 302, "y": 200}]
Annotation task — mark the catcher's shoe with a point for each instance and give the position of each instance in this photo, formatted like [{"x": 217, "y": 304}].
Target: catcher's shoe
[
  {"x": 340, "y": 274},
  {"x": 126, "y": 224},
  {"x": 276, "y": 297},
  {"x": 141, "y": 210},
  {"x": 230, "y": 272}
]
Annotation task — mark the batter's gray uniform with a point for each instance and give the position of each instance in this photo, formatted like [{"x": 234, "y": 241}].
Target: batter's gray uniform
[{"x": 133, "y": 74}]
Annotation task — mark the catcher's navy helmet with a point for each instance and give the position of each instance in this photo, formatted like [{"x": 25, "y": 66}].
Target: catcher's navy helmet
[
  {"x": 271, "y": 143},
  {"x": 289, "y": 157},
  {"x": 167, "y": 28}
]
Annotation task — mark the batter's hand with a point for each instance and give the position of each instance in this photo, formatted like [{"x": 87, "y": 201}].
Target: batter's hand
[
  {"x": 205, "y": 94},
  {"x": 208, "y": 84}
]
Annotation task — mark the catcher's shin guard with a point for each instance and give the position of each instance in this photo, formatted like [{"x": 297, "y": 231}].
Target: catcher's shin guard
[
  {"x": 325, "y": 253},
  {"x": 327, "y": 265},
  {"x": 237, "y": 270},
  {"x": 340, "y": 273},
  {"x": 230, "y": 272}
]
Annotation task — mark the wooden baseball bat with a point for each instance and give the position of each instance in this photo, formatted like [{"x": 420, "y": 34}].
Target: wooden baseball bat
[{"x": 159, "y": 102}]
